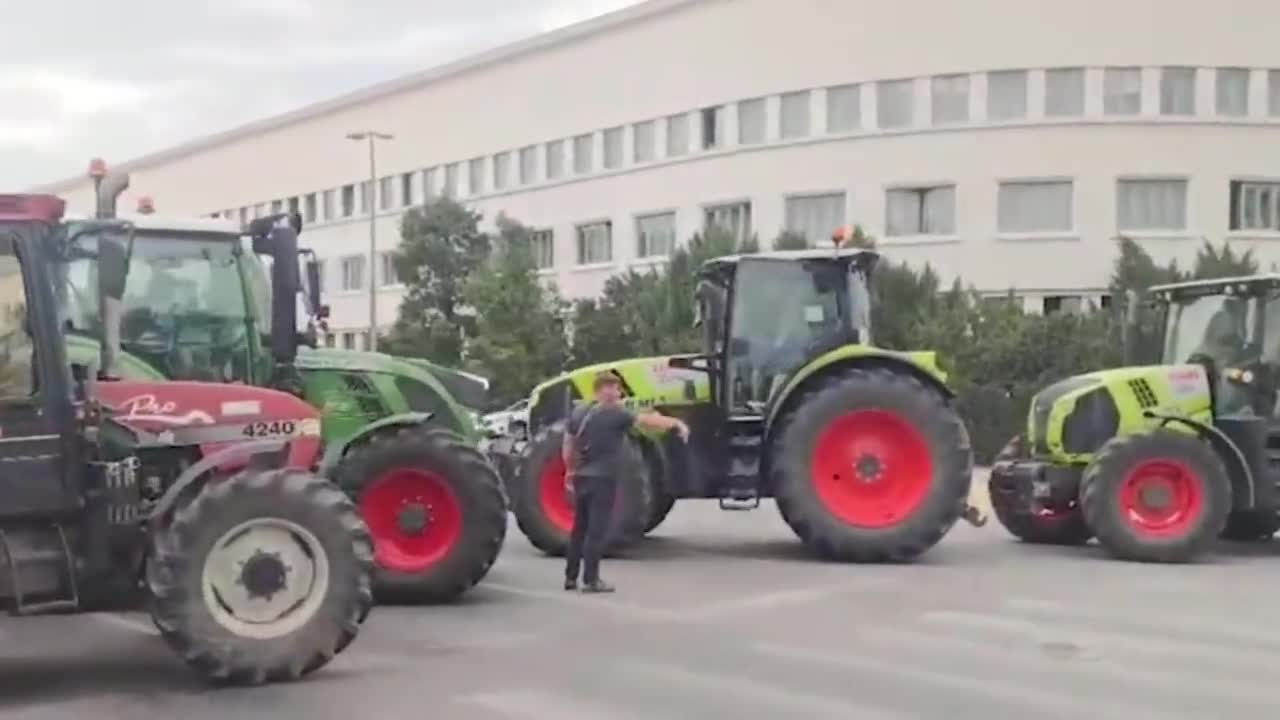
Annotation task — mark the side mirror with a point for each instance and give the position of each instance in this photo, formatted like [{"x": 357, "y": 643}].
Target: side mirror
[{"x": 113, "y": 263}]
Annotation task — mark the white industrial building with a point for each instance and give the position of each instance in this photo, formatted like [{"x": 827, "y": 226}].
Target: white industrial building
[{"x": 1008, "y": 142}]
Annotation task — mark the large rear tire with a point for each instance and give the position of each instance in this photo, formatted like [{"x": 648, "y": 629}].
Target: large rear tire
[
  {"x": 1251, "y": 525},
  {"x": 1040, "y": 526},
  {"x": 435, "y": 507},
  {"x": 544, "y": 509},
  {"x": 871, "y": 465},
  {"x": 262, "y": 577},
  {"x": 1160, "y": 496}
]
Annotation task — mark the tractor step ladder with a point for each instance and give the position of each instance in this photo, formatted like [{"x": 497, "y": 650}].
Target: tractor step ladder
[
  {"x": 738, "y": 502},
  {"x": 741, "y": 491},
  {"x": 16, "y": 560}
]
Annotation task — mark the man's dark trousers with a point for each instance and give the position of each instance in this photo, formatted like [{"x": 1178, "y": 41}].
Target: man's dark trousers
[{"x": 592, "y": 514}]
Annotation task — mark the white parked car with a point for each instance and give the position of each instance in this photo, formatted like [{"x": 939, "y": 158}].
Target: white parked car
[{"x": 512, "y": 420}]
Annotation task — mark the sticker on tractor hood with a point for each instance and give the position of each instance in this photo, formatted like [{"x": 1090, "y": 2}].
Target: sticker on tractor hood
[
  {"x": 149, "y": 408},
  {"x": 1188, "y": 382},
  {"x": 242, "y": 407}
]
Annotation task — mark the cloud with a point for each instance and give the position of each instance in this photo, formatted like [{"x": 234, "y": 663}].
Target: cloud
[{"x": 120, "y": 84}]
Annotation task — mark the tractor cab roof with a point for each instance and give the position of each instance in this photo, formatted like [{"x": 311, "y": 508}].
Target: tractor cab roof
[
  {"x": 860, "y": 258},
  {"x": 144, "y": 222},
  {"x": 1244, "y": 285}
]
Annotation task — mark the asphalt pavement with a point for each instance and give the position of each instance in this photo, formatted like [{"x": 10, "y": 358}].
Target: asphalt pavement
[{"x": 724, "y": 615}]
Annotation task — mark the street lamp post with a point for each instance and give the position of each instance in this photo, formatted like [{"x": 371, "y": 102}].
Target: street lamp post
[{"x": 372, "y": 136}]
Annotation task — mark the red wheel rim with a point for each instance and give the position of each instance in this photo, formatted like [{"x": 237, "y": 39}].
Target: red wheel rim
[
  {"x": 553, "y": 495},
  {"x": 415, "y": 518},
  {"x": 1161, "y": 497},
  {"x": 871, "y": 468}
]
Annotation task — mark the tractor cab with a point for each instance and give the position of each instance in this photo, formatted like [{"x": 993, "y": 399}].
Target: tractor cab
[
  {"x": 1230, "y": 326},
  {"x": 764, "y": 316}
]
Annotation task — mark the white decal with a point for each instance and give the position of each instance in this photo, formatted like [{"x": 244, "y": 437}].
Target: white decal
[
  {"x": 148, "y": 408},
  {"x": 242, "y": 407},
  {"x": 309, "y": 427},
  {"x": 1188, "y": 382}
]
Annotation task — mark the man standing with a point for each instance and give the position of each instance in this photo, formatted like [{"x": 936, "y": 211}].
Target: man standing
[{"x": 594, "y": 459}]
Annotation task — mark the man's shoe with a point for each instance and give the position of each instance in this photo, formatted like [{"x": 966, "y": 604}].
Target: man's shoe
[
  {"x": 570, "y": 585},
  {"x": 597, "y": 586}
]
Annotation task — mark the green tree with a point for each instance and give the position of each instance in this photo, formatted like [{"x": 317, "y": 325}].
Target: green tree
[
  {"x": 1211, "y": 263},
  {"x": 790, "y": 240},
  {"x": 519, "y": 337},
  {"x": 441, "y": 245},
  {"x": 1132, "y": 274}
]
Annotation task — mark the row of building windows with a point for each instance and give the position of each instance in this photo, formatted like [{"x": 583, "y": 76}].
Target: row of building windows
[{"x": 955, "y": 99}]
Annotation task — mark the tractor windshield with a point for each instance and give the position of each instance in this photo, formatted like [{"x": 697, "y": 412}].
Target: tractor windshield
[
  {"x": 785, "y": 313},
  {"x": 1214, "y": 327},
  {"x": 184, "y": 303}
]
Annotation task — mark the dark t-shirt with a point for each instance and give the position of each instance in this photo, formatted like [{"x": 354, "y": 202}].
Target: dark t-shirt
[{"x": 598, "y": 447}]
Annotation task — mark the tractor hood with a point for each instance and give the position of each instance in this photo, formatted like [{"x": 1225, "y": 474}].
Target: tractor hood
[{"x": 211, "y": 415}]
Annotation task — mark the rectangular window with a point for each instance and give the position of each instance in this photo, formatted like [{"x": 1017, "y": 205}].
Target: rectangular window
[
  {"x": 583, "y": 160},
  {"x": 555, "y": 159},
  {"x": 259, "y": 210},
  {"x": 1273, "y": 93},
  {"x": 1122, "y": 91},
  {"x": 677, "y": 135},
  {"x": 349, "y": 341},
  {"x": 655, "y": 235},
  {"x": 244, "y": 216},
  {"x": 1007, "y": 95},
  {"x": 544, "y": 248},
  {"x": 293, "y": 205},
  {"x": 277, "y": 207},
  {"x": 613, "y": 148},
  {"x": 501, "y": 170},
  {"x": 528, "y": 165},
  {"x": 366, "y": 196},
  {"x": 309, "y": 208},
  {"x": 646, "y": 141},
  {"x": 475, "y": 176},
  {"x": 1233, "y": 92},
  {"x": 794, "y": 121},
  {"x": 327, "y": 200},
  {"x": 329, "y": 340},
  {"x": 430, "y": 182},
  {"x": 1024, "y": 207},
  {"x": 1255, "y": 205},
  {"x": 322, "y": 266},
  {"x": 1177, "y": 91},
  {"x": 732, "y": 218},
  {"x": 386, "y": 192},
  {"x": 1064, "y": 92},
  {"x": 1151, "y": 205},
  {"x": 388, "y": 274},
  {"x": 815, "y": 217},
  {"x": 451, "y": 180},
  {"x": 348, "y": 200},
  {"x": 927, "y": 210},
  {"x": 950, "y": 99},
  {"x": 844, "y": 108},
  {"x": 751, "y": 122},
  {"x": 407, "y": 190},
  {"x": 595, "y": 243},
  {"x": 353, "y": 272},
  {"x": 1070, "y": 304},
  {"x": 895, "y": 104},
  {"x": 712, "y": 127}
]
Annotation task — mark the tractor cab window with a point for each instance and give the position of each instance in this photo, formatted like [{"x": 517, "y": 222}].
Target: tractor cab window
[
  {"x": 1216, "y": 331},
  {"x": 184, "y": 310},
  {"x": 784, "y": 313},
  {"x": 16, "y": 350}
]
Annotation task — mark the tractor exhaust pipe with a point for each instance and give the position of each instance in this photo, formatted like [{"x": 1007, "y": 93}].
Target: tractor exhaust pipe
[{"x": 107, "y": 189}]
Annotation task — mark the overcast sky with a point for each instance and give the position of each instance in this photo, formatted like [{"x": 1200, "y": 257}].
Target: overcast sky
[{"x": 80, "y": 78}]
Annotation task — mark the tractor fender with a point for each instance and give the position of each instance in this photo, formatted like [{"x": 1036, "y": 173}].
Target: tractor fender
[
  {"x": 1242, "y": 480},
  {"x": 335, "y": 452},
  {"x": 258, "y": 454},
  {"x": 851, "y": 357}
]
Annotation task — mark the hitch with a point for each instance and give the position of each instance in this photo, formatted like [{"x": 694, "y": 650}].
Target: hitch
[{"x": 974, "y": 516}]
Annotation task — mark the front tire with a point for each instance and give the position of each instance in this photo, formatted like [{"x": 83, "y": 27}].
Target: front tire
[
  {"x": 436, "y": 510},
  {"x": 1159, "y": 496},
  {"x": 262, "y": 577},
  {"x": 544, "y": 510},
  {"x": 871, "y": 465}
]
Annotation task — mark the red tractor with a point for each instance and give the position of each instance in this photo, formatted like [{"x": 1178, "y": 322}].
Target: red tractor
[{"x": 196, "y": 497}]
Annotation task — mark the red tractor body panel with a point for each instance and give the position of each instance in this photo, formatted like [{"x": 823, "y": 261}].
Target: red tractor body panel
[{"x": 215, "y": 415}]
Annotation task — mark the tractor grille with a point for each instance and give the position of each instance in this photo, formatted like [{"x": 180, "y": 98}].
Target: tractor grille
[{"x": 1142, "y": 391}]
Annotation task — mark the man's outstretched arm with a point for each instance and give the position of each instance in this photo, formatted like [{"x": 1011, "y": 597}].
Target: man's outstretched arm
[{"x": 655, "y": 420}]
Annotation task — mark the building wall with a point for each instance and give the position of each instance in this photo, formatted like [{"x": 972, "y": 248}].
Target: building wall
[{"x": 675, "y": 57}]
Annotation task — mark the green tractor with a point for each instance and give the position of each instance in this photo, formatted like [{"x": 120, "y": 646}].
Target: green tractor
[
  {"x": 201, "y": 299},
  {"x": 861, "y": 448},
  {"x": 1159, "y": 461}
]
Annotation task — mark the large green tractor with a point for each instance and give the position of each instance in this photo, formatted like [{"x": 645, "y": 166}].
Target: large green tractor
[
  {"x": 1158, "y": 461},
  {"x": 199, "y": 305},
  {"x": 861, "y": 448}
]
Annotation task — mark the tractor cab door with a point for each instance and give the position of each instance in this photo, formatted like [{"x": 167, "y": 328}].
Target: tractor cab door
[{"x": 37, "y": 434}]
